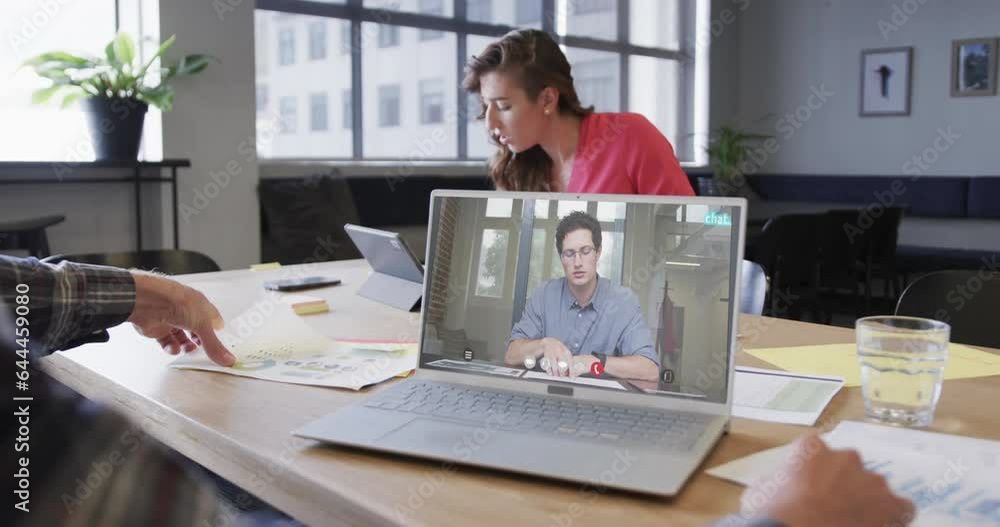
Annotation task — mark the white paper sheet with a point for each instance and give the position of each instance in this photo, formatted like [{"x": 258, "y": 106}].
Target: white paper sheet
[
  {"x": 953, "y": 480},
  {"x": 782, "y": 397},
  {"x": 283, "y": 348}
]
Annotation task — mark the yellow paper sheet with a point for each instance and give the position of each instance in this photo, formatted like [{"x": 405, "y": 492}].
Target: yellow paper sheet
[{"x": 842, "y": 360}]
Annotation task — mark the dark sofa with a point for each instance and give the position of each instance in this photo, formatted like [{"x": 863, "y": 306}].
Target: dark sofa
[
  {"x": 953, "y": 221},
  {"x": 302, "y": 218}
]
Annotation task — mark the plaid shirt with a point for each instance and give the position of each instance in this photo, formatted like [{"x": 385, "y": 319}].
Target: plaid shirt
[
  {"x": 88, "y": 466},
  {"x": 69, "y": 304}
]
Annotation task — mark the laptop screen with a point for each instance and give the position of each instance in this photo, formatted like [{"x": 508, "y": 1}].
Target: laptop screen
[{"x": 617, "y": 295}]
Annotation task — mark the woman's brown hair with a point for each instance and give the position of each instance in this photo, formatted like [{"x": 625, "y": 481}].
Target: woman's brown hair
[{"x": 536, "y": 62}]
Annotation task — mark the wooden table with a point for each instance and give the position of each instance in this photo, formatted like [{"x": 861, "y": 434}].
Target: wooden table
[{"x": 240, "y": 427}]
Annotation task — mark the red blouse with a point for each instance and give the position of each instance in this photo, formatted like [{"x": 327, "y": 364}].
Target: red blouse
[{"x": 624, "y": 153}]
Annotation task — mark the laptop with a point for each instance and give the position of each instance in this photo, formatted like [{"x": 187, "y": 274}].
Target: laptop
[{"x": 641, "y": 388}]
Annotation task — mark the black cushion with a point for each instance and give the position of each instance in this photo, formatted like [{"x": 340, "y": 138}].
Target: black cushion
[{"x": 303, "y": 219}]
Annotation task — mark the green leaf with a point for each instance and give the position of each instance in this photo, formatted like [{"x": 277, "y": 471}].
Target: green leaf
[
  {"x": 124, "y": 48},
  {"x": 72, "y": 98},
  {"x": 192, "y": 64},
  {"x": 109, "y": 52},
  {"x": 161, "y": 97},
  {"x": 60, "y": 57},
  {"x": 43, "y": 95},
  {"x": 162, "y": 49}
]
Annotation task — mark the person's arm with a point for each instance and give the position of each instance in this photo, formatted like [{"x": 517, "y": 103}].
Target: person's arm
[
  {"x": 655, "y": 169},
  {"x": 526, "y": 336},
  {"x": 64, "y": 305},
  {"x": 68, "y": 304},
  {"x": 639, "y": 359},
  {"x": 634, "y": 367},
  {"x": 820, "y": 487}
]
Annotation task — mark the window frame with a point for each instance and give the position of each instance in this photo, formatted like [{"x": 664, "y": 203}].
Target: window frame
[{"x": 688, "y": 119}]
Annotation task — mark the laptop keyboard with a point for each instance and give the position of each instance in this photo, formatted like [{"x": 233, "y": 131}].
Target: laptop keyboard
[{"x": 547, "y": 415}]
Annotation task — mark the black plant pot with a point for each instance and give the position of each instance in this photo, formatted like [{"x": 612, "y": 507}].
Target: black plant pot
[{"x": 116, "y": 127}]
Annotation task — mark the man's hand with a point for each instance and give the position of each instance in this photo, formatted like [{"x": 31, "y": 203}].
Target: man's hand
[
  {"x": 582, "y": 364},
  {"x": 178, "y": 317},
  {"x": 555, "y": 351},
  {"x": 820, "y": 487}
]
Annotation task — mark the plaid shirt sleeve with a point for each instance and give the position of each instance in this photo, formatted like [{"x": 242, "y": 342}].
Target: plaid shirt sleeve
[{"x": 68, "y": 304}]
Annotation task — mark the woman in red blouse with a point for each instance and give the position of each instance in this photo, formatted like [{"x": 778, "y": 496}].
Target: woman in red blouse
[{"x": 547, "y": 140}]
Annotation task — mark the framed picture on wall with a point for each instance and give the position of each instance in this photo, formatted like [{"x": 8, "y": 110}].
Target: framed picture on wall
[
  {"x": 885, "y": 81},
  {"x": 974, "y": 67}
]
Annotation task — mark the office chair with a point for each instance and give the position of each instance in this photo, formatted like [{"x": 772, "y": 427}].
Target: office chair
[
  {"x": 753, "y": 288},
  {"x": 967, "y": 300}
]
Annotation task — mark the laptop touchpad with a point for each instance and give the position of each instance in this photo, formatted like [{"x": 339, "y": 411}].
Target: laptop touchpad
[{"x": 499, "y": 448}]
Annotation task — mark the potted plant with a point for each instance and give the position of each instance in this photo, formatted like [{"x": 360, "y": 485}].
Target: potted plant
[
  {"x": 727, "y": 150},
  {"x": 116, "y": 89}
]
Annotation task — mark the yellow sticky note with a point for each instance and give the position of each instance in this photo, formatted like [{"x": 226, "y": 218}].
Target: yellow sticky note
[
  {"x": 311, "y": 308},
  {"x": 842, "y": 360},
  {"x": 265, "y": 266}
]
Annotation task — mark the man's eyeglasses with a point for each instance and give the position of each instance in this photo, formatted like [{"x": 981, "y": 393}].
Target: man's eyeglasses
[{"x": 569, "y": 254}]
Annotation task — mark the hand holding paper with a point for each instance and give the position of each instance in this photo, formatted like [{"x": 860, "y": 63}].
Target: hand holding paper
[{"x": 818, "y": 486}]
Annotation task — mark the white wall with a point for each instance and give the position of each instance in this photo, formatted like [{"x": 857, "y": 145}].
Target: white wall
[
  {"x": 780, "y": 49},
  {"x": 213, "y": 124}
]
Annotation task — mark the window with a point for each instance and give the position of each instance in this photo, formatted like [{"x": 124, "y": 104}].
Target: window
[
  {"x": 261, "y": 98},
  {"x": 656, "y": 23},
  {"x": 595, "y": 74},
  {"x": 303, "y": 126},
  {"x": 431, "y": 101},
  {"x": 388, "y": 36},
  {"x": 286, "y": 47},
  {"x": 426, "y": 116},
  {"x": 50, "y": 133},
  {"x": 347, "y": 110},
  {"x": 584, "y": 7},
  {"x": 492, "y": 263},
  {"x": 431, "y": 7},
  {"x": 409, "y": 136},
  {"x": 345, "y": 37},
  {"x": 388, "y": 105},
  {"x": 527, "y": 12},
  {"x": 479, "y": 10},
  {"x": 591, "y": 18},
  {"x": 288, "y": 113},
  {"x": 317, "y": 40},
  {"x": 317, "y": 112}
]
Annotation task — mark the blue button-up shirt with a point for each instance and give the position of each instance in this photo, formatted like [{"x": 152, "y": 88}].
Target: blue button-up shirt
[{"x": 611, "y": 323}]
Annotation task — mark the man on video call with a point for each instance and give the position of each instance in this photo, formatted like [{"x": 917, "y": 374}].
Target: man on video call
[{"x": 583, "y": 323}]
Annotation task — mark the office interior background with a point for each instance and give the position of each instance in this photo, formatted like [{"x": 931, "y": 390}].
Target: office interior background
[{"x": 367, "y": 92}]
